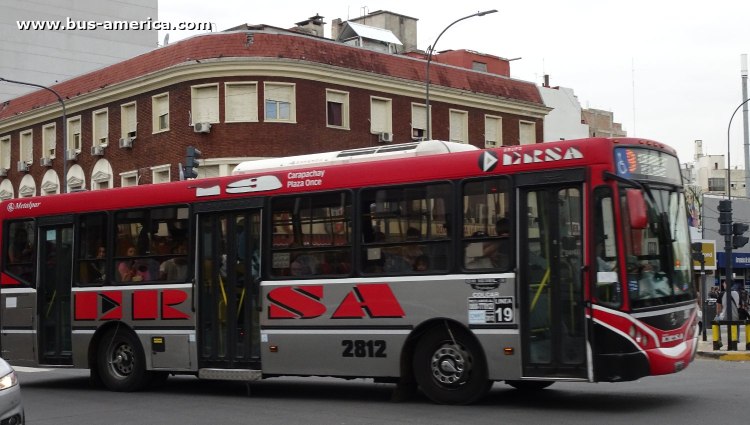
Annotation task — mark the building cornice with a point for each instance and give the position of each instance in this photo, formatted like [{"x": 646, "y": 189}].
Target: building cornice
[{"x": 272, "y": 67}]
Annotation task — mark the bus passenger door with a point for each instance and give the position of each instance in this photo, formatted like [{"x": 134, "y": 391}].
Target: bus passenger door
[
  {"x": 551, "y": 283},
  {"x": 228, "y": 270},
  {"x": 54, "y": 305}
]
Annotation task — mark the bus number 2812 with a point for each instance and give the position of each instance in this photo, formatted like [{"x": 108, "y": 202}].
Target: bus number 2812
[{"x": 362, "y": 348}]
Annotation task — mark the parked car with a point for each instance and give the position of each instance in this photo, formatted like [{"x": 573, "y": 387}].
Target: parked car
[{"x": 11, "y": 408}]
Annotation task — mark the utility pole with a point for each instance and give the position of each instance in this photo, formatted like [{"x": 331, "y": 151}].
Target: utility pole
[{"x": 743, "y": 59}]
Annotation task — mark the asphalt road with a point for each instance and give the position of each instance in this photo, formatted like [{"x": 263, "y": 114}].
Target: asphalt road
[{"x": 708, "y": 392}]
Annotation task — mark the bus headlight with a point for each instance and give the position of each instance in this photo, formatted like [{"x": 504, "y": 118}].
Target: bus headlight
[{"x": 8, "y": 381}]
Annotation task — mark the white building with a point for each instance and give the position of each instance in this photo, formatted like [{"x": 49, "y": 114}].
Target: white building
[
  {"x": 46, "y": 56},
  {"x": 564, "y": 121},
  {"x": 710, "y": 173}
]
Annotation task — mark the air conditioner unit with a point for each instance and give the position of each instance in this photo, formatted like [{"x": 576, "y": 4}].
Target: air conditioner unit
[
  {"x": 202, "y": 127},
  {"x": 23, "y": 166},
  {"x": 71, "y": 155},
  {"x": 3, "y": 172},
  {"x": 385, "y": 137},
  {"x": 97, "y": 150},
  {"x": 45, "y": 162},
  {"x": 126, "y": 142}
]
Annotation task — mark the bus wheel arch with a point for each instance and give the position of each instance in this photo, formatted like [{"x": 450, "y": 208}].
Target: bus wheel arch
[
  {"x": 420, "y": 364},
  {"x": 118, "y": 359}
]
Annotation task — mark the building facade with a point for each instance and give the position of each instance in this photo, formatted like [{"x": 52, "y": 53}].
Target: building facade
[
  {"x": 45, "y": 56},
  {"x": 243, "y": 95},
  {"x": 602, "y": 123},
  {"x": 564, "y": 122}
]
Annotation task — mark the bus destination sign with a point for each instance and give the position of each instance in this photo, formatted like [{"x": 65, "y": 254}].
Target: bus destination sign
[{"x": 647, "y": 164}]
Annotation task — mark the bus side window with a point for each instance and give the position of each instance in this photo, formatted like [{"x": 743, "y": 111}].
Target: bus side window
[
  {"x": 486, "y": 223},
  {"x": 92, "y": 249},
  {"x": 406, "y": 229},
  {"x": 20, "y": 251},
  {"x": 312, "y": 235},
  {"x": 608, "y": 288}
]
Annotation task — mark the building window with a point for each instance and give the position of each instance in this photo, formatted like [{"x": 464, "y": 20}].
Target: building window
[
  {"x": 241, "y": 102},
  {"x": 493, "y": 131},
  {"x": 204, "y": 103},
  {"x": 160, "y": 113},
  {"x": 49, "y": 140},
  {"x": 716, "y": 184},
  {"x": 101, "y": 127},
  {"x": 279, "y": 100},
  {"x": 479, "y": 66},
  {"x": 27, "y": 146},
  {"x": 129, "y": 120},
  {"x": 526, "y": 133},
  {"x": 5, "y": 153},
  {"x": 380, "y": 115},
  {"x": 419, "y": 121},
  {"x": 459, "y": 121},
  {"x": 337, "y": 109},
  {"x": 129, "y": 178},
  {"x": 160, "y": 174},
  {"x": 74, "y": 134}
]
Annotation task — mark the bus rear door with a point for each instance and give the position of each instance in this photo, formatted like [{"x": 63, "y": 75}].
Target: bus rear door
[{"x": 551, "y": 275}]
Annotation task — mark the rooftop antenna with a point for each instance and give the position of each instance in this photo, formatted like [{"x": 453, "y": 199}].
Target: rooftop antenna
[{"x": 632, "y": 68}]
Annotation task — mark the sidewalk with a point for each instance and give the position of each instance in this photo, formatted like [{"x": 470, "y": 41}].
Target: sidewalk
[{"x": 706, "y": 348}]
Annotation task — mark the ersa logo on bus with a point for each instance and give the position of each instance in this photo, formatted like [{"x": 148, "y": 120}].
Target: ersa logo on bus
[{"x": 12, "y": 206}]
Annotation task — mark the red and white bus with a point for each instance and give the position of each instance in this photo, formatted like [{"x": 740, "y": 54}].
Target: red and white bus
[{"x": 426, "y": 263}]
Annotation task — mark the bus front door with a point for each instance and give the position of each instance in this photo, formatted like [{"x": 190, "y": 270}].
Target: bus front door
[
  {"x": 228, "y": 269},
  {"x": 54, "y": 308},
  {"x": 551, "y": 284}
]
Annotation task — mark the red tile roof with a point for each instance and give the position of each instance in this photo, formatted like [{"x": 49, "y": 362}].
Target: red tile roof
[{"x": 309, "y": 49}]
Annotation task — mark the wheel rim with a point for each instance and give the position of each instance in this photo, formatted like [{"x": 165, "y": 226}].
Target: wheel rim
[
  {"x": 122, "y": 360},
  {"x": 450, "y": 365}
]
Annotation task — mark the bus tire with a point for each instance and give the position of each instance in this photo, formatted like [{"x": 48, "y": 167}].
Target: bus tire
[
  {"x": 121, "y": 361},
  {"x": 450, "y": 373},
  {"x": 529, "y": 386}
]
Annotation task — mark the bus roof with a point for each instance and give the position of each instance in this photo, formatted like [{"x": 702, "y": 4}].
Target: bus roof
[{"x": 414, "y": 163}]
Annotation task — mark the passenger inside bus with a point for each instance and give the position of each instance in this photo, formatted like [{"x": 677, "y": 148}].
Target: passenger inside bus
[
  {"x": 98, "y": 267},
  {"x": 133, "y": 270},
  {"x": 175, "y": 269}
]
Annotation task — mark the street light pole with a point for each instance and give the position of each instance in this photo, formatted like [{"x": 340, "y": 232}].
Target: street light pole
[
  {"x": 64, "y": 129},
  {"x": 430, "y": 50}
]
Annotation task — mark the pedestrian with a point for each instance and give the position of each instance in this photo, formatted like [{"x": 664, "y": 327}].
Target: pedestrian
[
  {"x": 722, "y": 304},
  {"x": 712, "y": 293}
]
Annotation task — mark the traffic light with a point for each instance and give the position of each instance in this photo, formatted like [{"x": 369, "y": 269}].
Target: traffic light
[
  {"x": 697, "y": 251},
  {"x": 725, "y": 217},
  {"x": 191, "y": 162},
  {"x": 739, "y": 229}
]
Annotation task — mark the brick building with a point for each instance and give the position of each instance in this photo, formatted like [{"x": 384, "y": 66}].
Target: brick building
[{"x": 249, "y": 94}]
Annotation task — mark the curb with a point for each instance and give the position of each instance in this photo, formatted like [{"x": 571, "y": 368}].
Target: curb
[{"x": 723, "y": 355}]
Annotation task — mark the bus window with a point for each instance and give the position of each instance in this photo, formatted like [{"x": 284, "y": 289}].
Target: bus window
[
  {"x": 20, "y": 253},
  {"x": 406, "y": 229},
  {"x": 92, "y": 249},
  {"x": 311, "y": 235},
  {"x": 152, "y": 245},
  {"x": 608, "y": 290},
  {"x": 486, "y": 225}
]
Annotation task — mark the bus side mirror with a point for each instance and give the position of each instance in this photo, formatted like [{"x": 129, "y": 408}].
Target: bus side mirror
[{"x": 637, "y": 209}]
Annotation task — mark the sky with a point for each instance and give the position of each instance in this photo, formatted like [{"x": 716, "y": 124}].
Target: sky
[{"x": 669, "y": 70}]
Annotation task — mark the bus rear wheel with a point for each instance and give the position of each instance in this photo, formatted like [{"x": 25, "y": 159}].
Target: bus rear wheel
[
  {"x": 121, "y": 361},
  {"x": 450, "y": 371}
]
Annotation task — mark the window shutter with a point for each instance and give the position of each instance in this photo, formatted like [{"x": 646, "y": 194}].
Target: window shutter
[
  {"x": 130, "y": 120},
  {"x": 279, "y": 93},
  {"x": 457, "y": 127},
  {"x": 26, "y": 145},
  {"x": 490, "y": 129},
  {"x": 49, "y": 139},
  {"x": 418, "y": 116},
  {"x": 5, "y": 152},
  {"x": 336, "y": 97},
  {"x": 242, "y": 102},
  {"x": 76, "y": 127},
  {"x": 527, "y": 133},
  {"x": 102, "y": 126},
  {"x": 206, "y": 105},
  {"x": 378, "y": 118},
  {"x": 162, "y": 106}
]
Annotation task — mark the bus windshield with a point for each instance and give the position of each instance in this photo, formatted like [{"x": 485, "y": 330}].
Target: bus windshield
[{"x": 658, "y": 256}]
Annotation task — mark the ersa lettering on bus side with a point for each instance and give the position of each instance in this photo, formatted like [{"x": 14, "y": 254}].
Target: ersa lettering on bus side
[{"x": 305, "y": 178}]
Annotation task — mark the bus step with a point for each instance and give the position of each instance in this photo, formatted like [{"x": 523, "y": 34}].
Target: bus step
[{"x": 231, "y": 374}]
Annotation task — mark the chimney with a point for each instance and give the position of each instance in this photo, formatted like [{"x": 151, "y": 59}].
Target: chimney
[
  {"x": 698, "y": 149},
  {"x": 335, "y": 28},
  {"x": 546, "y": 80},
  {"x": 314, "y": 25}
]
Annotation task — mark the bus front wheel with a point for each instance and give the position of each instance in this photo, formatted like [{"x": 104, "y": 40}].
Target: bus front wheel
[
  {"x": 121, "y": 361},
  {"x": 450, "y": 369}
]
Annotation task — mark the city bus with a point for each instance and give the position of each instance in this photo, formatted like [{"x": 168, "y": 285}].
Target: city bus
[{"x": 432, "y": 265}]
